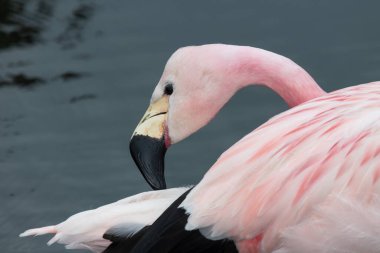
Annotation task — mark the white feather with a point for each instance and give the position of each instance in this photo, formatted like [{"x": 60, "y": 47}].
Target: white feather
[{"x": 85, "y": 230}]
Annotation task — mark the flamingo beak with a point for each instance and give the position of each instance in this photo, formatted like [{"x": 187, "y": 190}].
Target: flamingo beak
[{"x": 147, "y": 145}]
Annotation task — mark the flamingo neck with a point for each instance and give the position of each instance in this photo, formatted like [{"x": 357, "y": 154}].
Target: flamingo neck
[{"x": 286, "y": 78}]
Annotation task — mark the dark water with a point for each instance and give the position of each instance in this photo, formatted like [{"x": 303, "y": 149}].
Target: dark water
[{"x": 76, "y": 76}]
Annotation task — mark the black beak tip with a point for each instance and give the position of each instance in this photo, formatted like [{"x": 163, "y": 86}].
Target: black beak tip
[{"x": 149, "y": 154}]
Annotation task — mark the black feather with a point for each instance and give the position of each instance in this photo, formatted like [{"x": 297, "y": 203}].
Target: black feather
[
  {"x": 168, "y": 235},
  {"x": 123, "y": 244}
]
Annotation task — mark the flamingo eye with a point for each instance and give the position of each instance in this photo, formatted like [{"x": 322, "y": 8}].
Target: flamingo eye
[{"x": 168, "y": 90}]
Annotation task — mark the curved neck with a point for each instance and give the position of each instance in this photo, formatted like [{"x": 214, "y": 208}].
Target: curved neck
[
  {"x": 218, "y": 71},
  {"x": 286, "y": 78}
]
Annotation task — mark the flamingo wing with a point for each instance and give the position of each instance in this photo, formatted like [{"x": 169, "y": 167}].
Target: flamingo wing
[
  {"x": 276, "y": 176},
  {"x": 95, "y": 229},
  {"x": 342, "y": 224},
  {"x": 167, "y": 235}
]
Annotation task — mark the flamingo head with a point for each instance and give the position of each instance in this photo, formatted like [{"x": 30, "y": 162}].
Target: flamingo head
[{"x": 195, "y": 84}]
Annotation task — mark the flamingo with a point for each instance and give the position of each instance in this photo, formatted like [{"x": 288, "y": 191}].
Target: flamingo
[
  {"x": 305, "y": 181},
  {"x": 86, "y": 229}
]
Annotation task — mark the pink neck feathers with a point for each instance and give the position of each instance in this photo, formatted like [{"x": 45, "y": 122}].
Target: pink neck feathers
[{"x": 286, "y": 78}]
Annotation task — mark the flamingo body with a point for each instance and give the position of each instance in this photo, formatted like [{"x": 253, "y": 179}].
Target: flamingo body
[{"x": 278, "y": 176}]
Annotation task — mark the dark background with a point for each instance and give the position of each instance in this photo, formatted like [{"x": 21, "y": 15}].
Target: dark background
[{"x": 77, "y": 75}]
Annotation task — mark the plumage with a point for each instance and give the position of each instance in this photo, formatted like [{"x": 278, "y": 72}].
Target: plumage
[
  {"x": 168, "y": 235},
  {"x": 124, "y": 244},
  {"x": 121, "y": 219},
  {"x": 278, "y": 175},
  {"x": 341, "y": 224}
]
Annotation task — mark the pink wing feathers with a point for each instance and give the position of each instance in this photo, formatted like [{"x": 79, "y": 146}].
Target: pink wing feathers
[{"x": 276, "y": 176}]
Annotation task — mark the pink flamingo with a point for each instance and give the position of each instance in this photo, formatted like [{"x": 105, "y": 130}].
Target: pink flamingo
[
  {"x": 305, "y": 181},
  {"x": 85, "y": 229}
]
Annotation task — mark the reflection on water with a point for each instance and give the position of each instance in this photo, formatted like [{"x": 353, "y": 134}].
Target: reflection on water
[
  {"x": 20, "y": 80},
  {"x": 21, "y": 22},
  {"x": 70, "y": 75},
  {"x": 80, "y": 98},
  {"x": 72, "y": 33}
]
